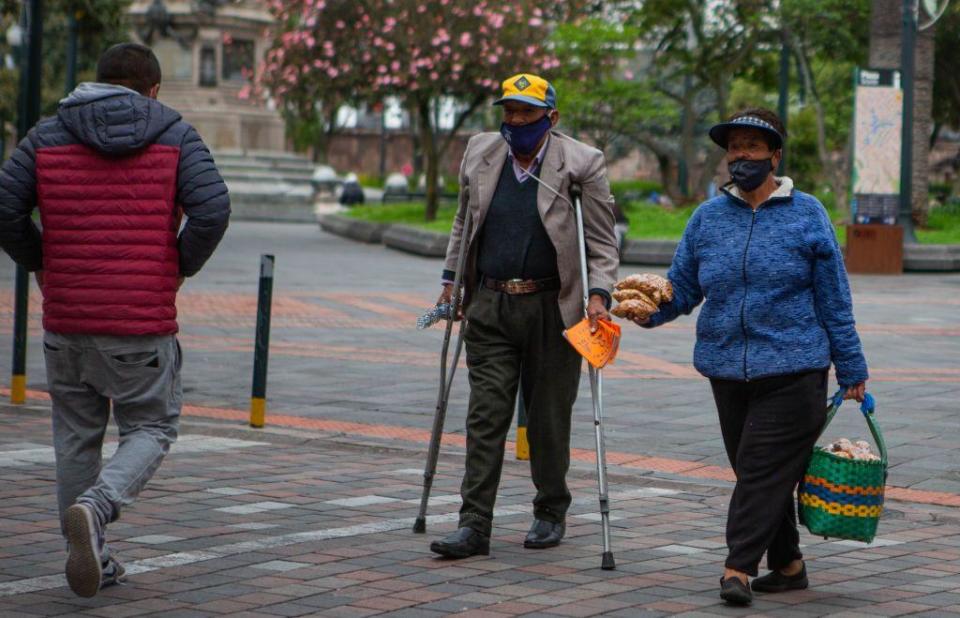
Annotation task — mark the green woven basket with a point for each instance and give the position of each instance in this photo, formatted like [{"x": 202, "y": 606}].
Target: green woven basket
[{"x": 843, "y": 498}]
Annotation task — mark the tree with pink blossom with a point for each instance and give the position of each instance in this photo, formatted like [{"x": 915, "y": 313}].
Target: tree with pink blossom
[{"x": 329, "y": 52}]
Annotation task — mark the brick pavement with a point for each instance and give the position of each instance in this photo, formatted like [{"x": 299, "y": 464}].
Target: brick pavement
[
  {"x": 346, "y": 362},
  {"x": 283, "y": 522},
  {"x": 343, "y": 348}
]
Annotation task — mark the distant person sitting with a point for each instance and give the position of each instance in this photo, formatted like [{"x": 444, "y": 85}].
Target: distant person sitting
[
  {"x": 352, "y": 192},
  {"x": 620, "y": 227}
]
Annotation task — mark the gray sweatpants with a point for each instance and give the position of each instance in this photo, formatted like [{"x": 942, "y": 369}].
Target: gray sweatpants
[{"x": 140, "y": 376}]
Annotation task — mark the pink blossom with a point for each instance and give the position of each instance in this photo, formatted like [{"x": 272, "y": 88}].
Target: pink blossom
[
  {"x": 493, "y": 59},
  {"x": 333, "y": 72},
  {"x": 535, "y": 22},
  {"x": 465, "y": 39}
]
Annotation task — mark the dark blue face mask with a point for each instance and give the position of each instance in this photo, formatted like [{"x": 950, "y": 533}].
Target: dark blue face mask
[
  {"x": 523, "y": 139},
  {"x": 748, "y": 174}
]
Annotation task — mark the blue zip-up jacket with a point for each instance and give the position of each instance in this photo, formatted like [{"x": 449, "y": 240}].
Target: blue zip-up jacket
[{"x": 777, "y": 300}]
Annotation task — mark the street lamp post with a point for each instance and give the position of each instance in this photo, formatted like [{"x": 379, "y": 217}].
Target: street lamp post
[
  {"x": 71, "y": 78},
  {"x": 908, "y": 42},
  {"x": 783, "y": 103}
]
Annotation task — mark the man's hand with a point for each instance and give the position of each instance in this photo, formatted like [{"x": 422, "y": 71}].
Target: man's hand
[
  {"x": 596, "y": 310},
  {"x": 446, "y": 296},
  {"x": 641, "y": 321},
  {"x": 856, "y": 392}
]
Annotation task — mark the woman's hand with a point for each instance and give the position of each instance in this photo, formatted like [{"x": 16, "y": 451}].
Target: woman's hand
[
  {"x": 856, "y": 392},
  {"x": 641, "y": 321}
]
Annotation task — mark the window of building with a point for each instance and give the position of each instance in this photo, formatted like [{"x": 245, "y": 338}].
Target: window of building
[
  {"x": 237, "y": 60},
  {"x": 208, "y": 66}
]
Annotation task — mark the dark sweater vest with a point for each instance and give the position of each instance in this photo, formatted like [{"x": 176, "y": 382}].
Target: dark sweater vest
[{"x": 513, "y": 243}]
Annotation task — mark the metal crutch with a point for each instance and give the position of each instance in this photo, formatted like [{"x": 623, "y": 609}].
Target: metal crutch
[
  {"x": 446, "y": 382},
  {"x": 596, "y": 392}
]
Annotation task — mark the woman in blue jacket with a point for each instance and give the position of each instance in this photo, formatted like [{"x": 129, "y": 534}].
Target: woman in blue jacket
[{"x": 764, "y": 260}]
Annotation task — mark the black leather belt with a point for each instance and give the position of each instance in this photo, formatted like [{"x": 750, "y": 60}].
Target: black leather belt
[{"x": 522, "y": 286}]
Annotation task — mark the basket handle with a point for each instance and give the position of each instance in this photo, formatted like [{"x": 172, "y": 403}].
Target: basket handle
[{"x": 868, "y": 409}]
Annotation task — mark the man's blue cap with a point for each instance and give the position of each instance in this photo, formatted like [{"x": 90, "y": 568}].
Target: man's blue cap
[
  {"x": 720, "y": 133},
  {"x": 528, "y": 88}
]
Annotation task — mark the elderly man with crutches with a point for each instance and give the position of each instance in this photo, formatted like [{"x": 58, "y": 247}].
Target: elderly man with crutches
[{"x": 519, "y": 243}]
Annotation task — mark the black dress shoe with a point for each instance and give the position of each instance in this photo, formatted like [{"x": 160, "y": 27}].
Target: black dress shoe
[
  {"x": 544, "y": 534},
  {"x": 775, "y": 581},
  {"x": 735, "y": 592},
  {"x": 463, "y": 543}
]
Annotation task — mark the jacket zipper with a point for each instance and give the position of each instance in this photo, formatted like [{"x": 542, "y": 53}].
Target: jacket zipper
[{"x": 743, "y": 306}]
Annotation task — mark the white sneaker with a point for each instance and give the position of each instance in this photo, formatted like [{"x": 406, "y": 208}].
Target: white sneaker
[{"x": 83, "y": 569}]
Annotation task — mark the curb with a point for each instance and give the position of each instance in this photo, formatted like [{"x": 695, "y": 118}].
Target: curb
[
  {"x": 916, "y": 258},
  {"x": 415, "y": 240},
  {"x": 931, "y": 258},
  {"x": 354, "y": 229}
]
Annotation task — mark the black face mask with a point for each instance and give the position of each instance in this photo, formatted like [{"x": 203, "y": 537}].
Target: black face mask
[{"x": 748, "y": 175}]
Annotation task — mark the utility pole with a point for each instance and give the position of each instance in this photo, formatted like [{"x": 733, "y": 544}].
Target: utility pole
[{"x": 29, "y": 113}]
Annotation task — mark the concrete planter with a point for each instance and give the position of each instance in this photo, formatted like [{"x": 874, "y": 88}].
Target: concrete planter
[
  {"x": 256, "y": 210},
  {"x": 354, "y": 229},
  {"x": 938, "y": 258},
  {"x": 649, "y": 252},
  {"x": 417, "y": 241}
]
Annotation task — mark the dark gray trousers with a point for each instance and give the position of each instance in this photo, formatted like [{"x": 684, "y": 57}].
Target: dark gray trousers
[{"x": 506, "y": 337}]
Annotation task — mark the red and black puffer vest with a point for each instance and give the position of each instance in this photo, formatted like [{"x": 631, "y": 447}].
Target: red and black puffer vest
[{"x": 107, "y": 201}]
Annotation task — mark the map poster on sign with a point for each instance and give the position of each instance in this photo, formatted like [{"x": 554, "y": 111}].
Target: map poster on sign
[{"x": 877, "y": 126}]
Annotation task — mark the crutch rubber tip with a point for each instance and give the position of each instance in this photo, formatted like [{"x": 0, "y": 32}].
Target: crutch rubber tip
[
  {"x": 607, "y": 563},
  {"x": 420, "y": 525}
]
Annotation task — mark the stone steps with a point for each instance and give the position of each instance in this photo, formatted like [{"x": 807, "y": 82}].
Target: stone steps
[{"x": 268, "y": 185}]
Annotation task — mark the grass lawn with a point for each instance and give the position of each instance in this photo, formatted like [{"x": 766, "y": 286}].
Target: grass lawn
[{"x": 647, "y": 221}]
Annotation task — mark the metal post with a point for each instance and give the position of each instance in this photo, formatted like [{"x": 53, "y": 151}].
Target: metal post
[
  {"x": 30, "y": 67},
  {"x": 783, "y": 104},
  {"x": 383, "y": 141},
  {"x": 523, "y": 444},
  {"x": 71, "y": 80},
  {"x": 908, "y": 42},
  {"x": 258, "y": 396}
]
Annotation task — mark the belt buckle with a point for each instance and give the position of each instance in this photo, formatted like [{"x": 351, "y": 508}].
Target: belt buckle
[{"x": 514, "y": 286}]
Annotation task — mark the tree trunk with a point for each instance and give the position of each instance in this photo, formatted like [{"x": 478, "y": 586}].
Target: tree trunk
[
  {"x": 886, "y": 24},
  {"x": 428, "y": 142}
]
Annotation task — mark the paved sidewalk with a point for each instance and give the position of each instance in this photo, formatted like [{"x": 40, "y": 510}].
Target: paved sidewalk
[
  {"x": 284, "y": 522},
  {"x": 351, "y": 393},
  {"x": 344, "y": 349}
]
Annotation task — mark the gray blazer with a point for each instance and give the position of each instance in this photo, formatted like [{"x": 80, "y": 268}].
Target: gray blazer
[{"x": 566, "y": 160}]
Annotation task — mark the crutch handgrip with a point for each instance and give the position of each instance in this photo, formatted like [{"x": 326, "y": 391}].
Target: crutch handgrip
[{"x": 576, "y": 190}]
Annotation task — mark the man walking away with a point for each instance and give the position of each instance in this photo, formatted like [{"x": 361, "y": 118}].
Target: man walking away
[{"x": 112, "y": 175}]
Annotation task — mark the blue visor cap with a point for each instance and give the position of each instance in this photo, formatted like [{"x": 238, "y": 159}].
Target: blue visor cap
[{"x": 719, "y": 133}]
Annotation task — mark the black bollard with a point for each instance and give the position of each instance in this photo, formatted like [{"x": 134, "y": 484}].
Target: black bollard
[{"x": 258, "y": 396}]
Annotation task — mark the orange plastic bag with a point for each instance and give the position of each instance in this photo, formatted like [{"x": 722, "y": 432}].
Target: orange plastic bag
[{"x": 599, "y": 348}]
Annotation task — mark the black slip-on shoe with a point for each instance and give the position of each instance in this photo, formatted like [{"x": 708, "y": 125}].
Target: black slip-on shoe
[
  {"x": 775, "y": 581},
  {"x": 735, "y": 592},
  {"x": 544, "y": 534},
  {"x": 463, "y": 543},
  {"x": 83, "y": 568}
]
